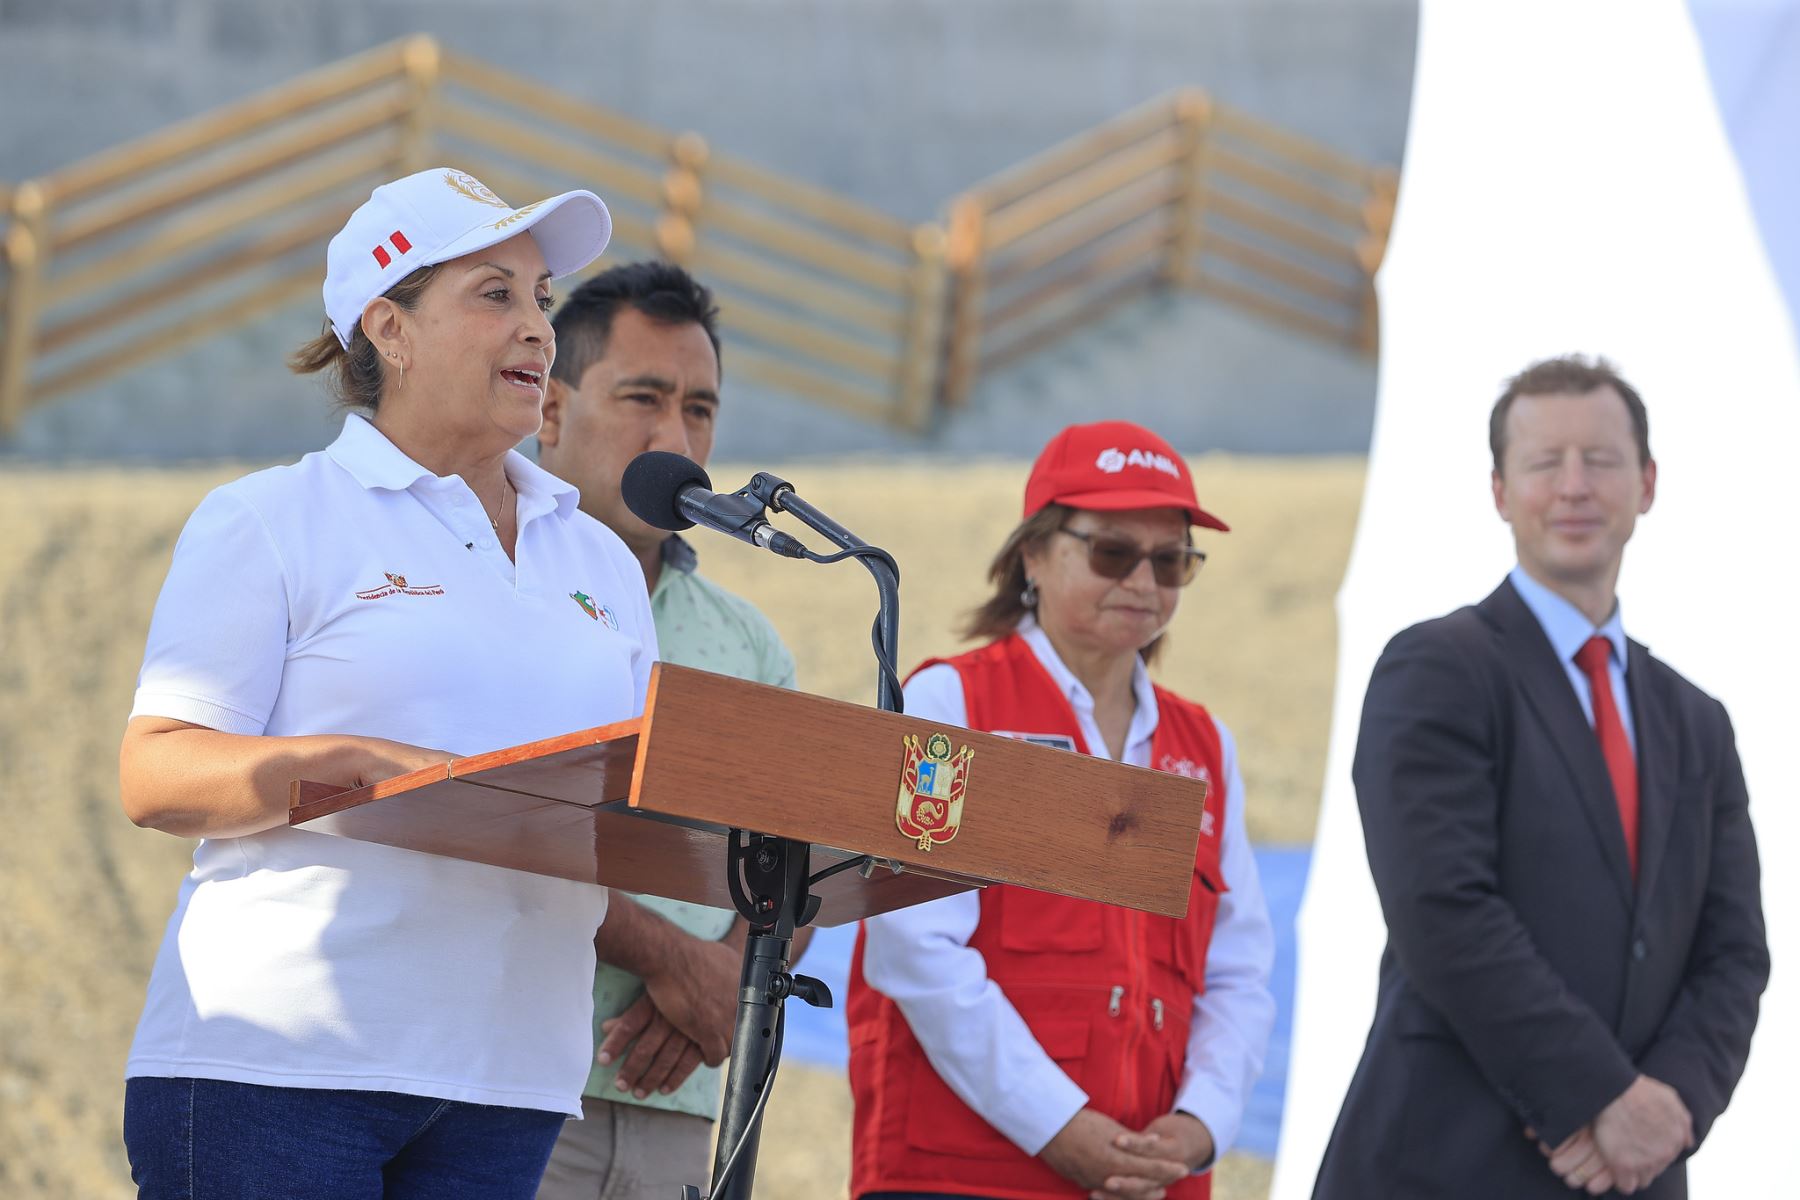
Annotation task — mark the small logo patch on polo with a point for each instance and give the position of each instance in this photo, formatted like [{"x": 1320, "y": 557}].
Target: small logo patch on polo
[
  {"x": 397, "y": 585},
  {"x": 595, "y": 611}
]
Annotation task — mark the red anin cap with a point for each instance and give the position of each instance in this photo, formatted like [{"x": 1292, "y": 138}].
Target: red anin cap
[{"x": 1111, "y": 466}]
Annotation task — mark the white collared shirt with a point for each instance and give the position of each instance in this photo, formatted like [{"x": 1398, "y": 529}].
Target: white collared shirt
[
  {"x": 356, "y": 592},
  {"x": 1568, "y": 630},
  {"x": 975, "y": 1039}
]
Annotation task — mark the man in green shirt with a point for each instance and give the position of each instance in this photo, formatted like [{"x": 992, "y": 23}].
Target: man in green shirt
[{"x": 637, "y": 368}]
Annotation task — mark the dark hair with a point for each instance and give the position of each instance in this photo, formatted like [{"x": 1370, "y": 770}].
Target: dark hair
[
  {"x": 661, "y": 291},
  {"x": 1570, "y": 374},
  {"x": 357, "y": 372},
  {"x": 1001, "y": 612}
]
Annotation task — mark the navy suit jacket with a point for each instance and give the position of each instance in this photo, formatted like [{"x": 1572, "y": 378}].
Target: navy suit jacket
[{"x": 1528, "y": 979}]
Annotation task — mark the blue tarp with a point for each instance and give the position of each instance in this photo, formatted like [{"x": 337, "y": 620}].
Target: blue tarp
[{"x": 816, "y": 1036}]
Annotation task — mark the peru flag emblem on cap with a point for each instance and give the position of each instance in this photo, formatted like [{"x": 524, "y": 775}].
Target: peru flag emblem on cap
[{"x": 400, "y": 244}]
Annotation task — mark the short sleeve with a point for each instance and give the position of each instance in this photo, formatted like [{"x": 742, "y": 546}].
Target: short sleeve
[
  {"x": 218, "y": 638},
  {"x": 649, "y": 651},
  {"x": 777, "y": 659}
]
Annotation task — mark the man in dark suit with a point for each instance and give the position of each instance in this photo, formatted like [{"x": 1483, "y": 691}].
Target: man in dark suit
[{"x": 1558, "y": 829}]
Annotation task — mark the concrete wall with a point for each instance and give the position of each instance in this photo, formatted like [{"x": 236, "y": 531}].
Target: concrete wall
[{"x": 900, "y": 103}]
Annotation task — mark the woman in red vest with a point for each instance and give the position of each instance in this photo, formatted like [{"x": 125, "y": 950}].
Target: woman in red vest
[{"x": 1015, "y": 1044}]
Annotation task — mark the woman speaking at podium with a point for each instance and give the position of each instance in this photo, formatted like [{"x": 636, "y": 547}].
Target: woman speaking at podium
[
  {"x": 1017, "y": 1044},
  {"x": 327, "y": 1017}
]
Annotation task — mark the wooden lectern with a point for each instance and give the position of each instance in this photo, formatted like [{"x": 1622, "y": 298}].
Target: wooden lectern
[
  {"x": 646, "y": 805},
  {"x": 703, "y": 797}
]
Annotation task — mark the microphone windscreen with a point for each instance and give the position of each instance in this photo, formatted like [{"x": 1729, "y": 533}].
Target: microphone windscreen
[{"x": 653, "y": 480}]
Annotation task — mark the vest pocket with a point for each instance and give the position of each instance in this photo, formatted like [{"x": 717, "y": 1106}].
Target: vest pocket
[
  {"x": 1035, "y": 922},
  {"x": 938, "y": 1121}
]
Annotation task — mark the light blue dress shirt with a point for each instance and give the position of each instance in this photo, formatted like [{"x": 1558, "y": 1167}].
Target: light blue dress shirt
[{"x": 1568, "y": 629}]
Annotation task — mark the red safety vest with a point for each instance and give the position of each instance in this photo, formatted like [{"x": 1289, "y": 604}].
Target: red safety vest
[{"x": 1107, "y": 991}]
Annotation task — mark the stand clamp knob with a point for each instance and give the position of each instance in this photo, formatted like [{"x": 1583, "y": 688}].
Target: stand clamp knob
[{"x": 801, "y": 987}]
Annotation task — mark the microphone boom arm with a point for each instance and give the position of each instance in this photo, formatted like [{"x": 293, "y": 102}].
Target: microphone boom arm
[{"x": 779, "y": 494}]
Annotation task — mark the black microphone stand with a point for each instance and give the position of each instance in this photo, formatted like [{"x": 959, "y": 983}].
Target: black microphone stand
[
  {"x": 772, "y": 888},
  {"x": 779, "y": 495}
]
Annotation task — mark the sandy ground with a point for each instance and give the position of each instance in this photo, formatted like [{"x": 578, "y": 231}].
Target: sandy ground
[{"x": 84, "y": 895}]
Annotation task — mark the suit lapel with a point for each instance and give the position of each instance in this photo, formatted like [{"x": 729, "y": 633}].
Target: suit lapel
[
  {"x": 1545, "y": 685},
  {"x": 1653, "y": 723}
]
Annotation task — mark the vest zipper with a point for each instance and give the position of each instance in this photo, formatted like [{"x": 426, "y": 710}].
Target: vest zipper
[
  {"x": 1128, "y": 1068},
  {"x": 1156, "y": 1009},
  {"x": 1112, "y": 1006}
]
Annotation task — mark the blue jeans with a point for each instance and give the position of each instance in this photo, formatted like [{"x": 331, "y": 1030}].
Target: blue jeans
[{"x": 206, "y": 1139}]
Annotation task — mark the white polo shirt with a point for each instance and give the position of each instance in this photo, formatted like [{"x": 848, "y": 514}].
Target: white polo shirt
[{"x": 356, "y": 592}]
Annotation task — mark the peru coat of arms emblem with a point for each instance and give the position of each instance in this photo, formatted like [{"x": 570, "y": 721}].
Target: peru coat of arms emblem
[{"x": 932, "y": 784}]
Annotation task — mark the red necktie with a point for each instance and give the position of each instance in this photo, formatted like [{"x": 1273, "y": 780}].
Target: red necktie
[{"x": 1594, "y": 658}]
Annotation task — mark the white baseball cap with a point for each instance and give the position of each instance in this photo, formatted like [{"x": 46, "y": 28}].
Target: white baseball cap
[{"x": 441, "y": 214}]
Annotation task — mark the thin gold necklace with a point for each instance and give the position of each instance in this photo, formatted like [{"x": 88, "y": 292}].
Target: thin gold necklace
[{"x": 501, "y": 508}]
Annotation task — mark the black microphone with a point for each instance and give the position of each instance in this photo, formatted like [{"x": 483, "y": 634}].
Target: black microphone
[{"x": 670, "y": 491}]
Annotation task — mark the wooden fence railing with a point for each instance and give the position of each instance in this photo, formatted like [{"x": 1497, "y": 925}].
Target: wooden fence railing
[
  {"x": 218, "y": 221},
  {"x": 201, "y": 227},
  {"x": 819, "y": 296},
  {"x": 1180, "y": 192}
]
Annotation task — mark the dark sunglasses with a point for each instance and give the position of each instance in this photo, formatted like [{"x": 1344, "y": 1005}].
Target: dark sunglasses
[{"x": 1116, "y": 558}]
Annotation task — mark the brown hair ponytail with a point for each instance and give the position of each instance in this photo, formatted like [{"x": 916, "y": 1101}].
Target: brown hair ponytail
[{"x": 356, "y": 374}]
